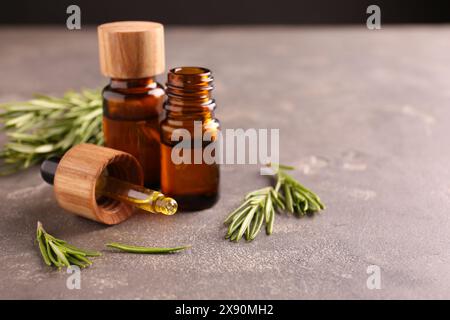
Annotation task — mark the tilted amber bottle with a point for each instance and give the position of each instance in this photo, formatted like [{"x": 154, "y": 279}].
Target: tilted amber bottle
[
  {"x": 189, "y": 102},
  {"x": 132, "y": 54}
]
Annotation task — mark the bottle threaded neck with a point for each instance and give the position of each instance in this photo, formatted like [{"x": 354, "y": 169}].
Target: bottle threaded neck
[{"x": 189, "y": 87}]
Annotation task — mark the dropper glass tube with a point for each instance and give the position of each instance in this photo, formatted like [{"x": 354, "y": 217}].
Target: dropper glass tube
[
  {"x": 123, "y": 191},
  {"x": 138, "y": 196}
]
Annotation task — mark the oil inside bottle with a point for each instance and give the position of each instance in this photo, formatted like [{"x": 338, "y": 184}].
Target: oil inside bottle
[
  {"x": 131, "y": 112},
  {"x": 194, "y": 186}
]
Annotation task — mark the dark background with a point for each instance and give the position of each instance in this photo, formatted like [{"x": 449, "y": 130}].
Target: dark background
[{"x": 210, "y": 12}]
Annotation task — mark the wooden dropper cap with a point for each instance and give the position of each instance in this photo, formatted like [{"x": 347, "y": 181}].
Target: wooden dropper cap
[
  {"x": 76, "y": 178},
  {"x": 131, "y": 49}
]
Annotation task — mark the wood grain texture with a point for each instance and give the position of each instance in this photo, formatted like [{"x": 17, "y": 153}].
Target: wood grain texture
[
  {"x": 131, "y": 49},
  {"x": 77, "y": 175}
]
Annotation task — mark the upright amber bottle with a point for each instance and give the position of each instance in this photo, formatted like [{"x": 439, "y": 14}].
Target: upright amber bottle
[
  {"x": 190, "y": 107},
  {"x": 132, "y": 54}
]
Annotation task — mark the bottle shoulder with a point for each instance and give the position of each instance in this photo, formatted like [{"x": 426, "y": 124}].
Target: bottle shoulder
[
  {"x": 135, "y": 103},
  {"x": 155, "y": 90}
]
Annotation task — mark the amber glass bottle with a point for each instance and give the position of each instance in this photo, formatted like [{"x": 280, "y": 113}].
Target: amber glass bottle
[
  {"x": 194, "y": 185},
  {"x": 132, "y": 54},
  {"x": 131, "y": 110}
]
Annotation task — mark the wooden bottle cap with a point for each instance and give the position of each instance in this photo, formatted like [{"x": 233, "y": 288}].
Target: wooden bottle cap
[
  {"x": 131, "y": 49},
  {"x": 76, "y": 178}
]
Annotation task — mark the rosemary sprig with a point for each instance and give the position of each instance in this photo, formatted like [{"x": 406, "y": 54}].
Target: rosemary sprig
[
  {"x": 259, "y": 206},
  {"x": 144, "y": 250},
  {"x": 59, "y": 253},
  {"x": 48, "y": 126},
  {"x": 297, "y": 198}
]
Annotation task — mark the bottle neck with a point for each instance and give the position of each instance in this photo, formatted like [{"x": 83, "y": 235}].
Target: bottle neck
[
  {"x": 132, "y": 84},
  {"x": 189, "y": 93}
]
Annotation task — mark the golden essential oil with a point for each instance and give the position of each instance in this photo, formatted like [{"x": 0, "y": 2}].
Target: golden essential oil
[{"x": 138, "y": 196}]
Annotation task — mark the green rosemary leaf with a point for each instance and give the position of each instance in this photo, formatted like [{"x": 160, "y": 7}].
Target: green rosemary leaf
[
  {"x": 234, "y": 235},
  {"x": 19, "y": 121},
  {"x": 21, "y": 148},
  {"x": 247, "y": 231},
  {"x": 91, "y": 115},
  {"x": 51, "y": 256},
  {"x": 87, "y": 253},
  {"x": 73, "y": 251},
  {"x": 75, "y": 261},
  {"x": 269, "y": 223},
  {"x": 23, "y": 137},
  {"x": 43, "y": 103},
  {"x": 288, "y": 195},
  {"x": 144, "y": 250},
  {"x": 237, "y": 221},
  {"x": 241, "y": 213},
  {"x": 236, "y": 211},
  {"x": 43, "y": 248},
  {"x": 260, "y": 192},
  {"x": 83, "y": 259},
  {"x": 59, "y": 254},
  {"x": 268, "y": 206},
  {"x": 258, "y": 224},
  {"x": 276, "y": 200},
  {"x": 45, "y": 148},
  {"x": 246, "y": 223}
]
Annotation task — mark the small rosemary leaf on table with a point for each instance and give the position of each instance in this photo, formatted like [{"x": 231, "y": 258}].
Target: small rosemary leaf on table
[
  {"x": 43, "y": 248},
  {"x": 236, "y": 211},
  {"x": 84, "y": 261},
  {"x": 238, "y": 219},
  {"x": 277, "y": 200},
  {"x": 87, "y": 253},
  {"x": 258, "y": 224},
  {"x": 74, "y": 261},
  {"x": 288, "y": 196},
  {"x": 269, "y": 223},
  {"x": 246, "y": 223},
  {"x": 51, "y": 256},
  {"x": 58, "y": 253},
  {"x": 268, "y": 205},
  {"x": 144, "y": 250}
]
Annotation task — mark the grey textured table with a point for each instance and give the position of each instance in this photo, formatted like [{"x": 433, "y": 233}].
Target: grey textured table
[{"x": 363, "y": 114}]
